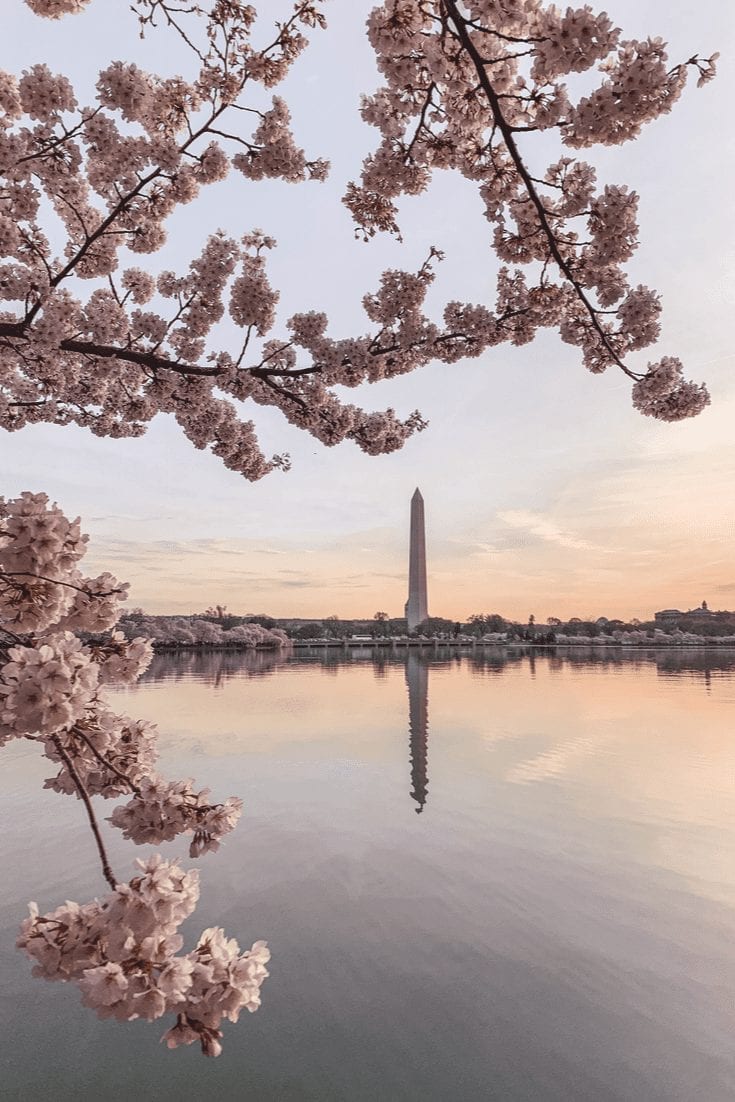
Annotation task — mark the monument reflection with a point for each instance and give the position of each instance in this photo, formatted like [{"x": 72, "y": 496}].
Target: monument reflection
[
  {"x": 219, "y": 667},
  {"x": 417, "y": 680}
]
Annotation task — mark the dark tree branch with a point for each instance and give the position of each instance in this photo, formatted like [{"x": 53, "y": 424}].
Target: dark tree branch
[
  {"x": 461, "y": 25},
  {"x": 105, "y": 761},
  {"x": 113, "y": 352},
  {"x": 84, "y": 796}
]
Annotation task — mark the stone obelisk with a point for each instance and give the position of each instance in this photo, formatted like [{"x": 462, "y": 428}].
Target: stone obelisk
[{"x": 416, "y": 605}]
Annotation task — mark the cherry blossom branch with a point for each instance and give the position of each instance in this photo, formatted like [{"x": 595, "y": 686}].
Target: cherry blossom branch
[
  {"x": 105, "y": 761},
  {"x": 144, "y": 359},
  {"x": 101, "y": 361},
  {"x": 460, "y": 25},
  {"x": 84, "y": 796},
  {"x": 119, "y": 209},
  {"x": 55, "y": 581}
]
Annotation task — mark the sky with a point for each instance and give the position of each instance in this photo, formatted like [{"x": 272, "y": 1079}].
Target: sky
[{"x": 546, "y": 493}]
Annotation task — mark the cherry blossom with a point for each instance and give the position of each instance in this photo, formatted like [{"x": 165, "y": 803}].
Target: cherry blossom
[
  {"x": 123, "y": 953},
  {"x": 91, "y": 338},
  {"x": 59, "y": 650},
  {"x": 54, "y": 9},
  {"x": 161, "y": 810}
]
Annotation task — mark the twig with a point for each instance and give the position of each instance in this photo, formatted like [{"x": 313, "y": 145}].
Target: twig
[
  {"x": 84, "y": 796},
  {"x": 106, "y": 762}
]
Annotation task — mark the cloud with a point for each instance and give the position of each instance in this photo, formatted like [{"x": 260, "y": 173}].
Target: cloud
[
  {"x": 484, "y": 549},
  {"x": 538, "y": 525}
]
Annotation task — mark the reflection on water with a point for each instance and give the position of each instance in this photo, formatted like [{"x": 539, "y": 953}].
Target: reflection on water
[
  {"x": 556, "y": 925},
  {"x": 216, "y": 666},
  {"x": 417, "y": 679}
]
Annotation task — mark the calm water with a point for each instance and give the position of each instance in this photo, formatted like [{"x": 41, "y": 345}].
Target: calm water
[{"x": 502, "y": 877}]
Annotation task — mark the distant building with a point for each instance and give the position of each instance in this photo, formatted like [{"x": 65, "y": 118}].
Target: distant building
[
  {"x": 701, "y": 620},
  {"x": 668, "y": 616}
]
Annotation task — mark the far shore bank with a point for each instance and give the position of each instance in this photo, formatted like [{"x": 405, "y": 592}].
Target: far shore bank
[{"x": 435, "y": 644}]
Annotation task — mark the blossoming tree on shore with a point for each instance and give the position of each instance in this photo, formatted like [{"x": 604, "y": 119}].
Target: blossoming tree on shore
[{"x": 91, "y": 334}]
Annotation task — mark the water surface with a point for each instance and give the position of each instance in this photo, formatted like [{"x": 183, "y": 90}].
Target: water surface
[{"x": 490, "y": 875}]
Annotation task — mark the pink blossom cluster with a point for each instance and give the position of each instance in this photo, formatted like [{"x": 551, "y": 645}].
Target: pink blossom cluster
[
  {"x": 638, "y": 88},
  {"x": 273, "y": 152},
  {"x": 663, "y": 391},
  {"x": 123, "y": 954},
  {"x": 121, "y": 661},
  {"x": 39, "y": 583},
  {"x": 46, "y": 688},
  {"x": 161, "y": 810},
  {"x": 54, "y": 9},
  {"x": 111, "y": 754}
]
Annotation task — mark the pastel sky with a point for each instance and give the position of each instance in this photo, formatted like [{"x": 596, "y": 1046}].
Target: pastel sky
[{"x": 545, "y": 492}]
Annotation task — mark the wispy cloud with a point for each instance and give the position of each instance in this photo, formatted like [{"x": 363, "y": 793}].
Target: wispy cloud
[
  {"x": 484, "y": 549},
  {"x": 535, "y": 524}
]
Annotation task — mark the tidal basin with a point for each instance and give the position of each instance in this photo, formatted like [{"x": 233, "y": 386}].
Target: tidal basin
[{"x": 485, "y": 875}]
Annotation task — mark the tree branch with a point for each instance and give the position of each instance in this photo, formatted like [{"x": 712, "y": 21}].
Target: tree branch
[
  {"x": 460, "y": 25},
  {"x": 84, "y": 796},
  {"x": 105, "y": 761},
  {"x": 16, "y": 330}
]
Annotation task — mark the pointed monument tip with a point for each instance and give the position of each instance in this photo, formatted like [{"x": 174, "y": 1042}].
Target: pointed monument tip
[{"x": 417, "y": 492}]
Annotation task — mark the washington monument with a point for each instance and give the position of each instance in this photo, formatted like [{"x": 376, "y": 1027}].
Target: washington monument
[{"x": 416, "y": 605}]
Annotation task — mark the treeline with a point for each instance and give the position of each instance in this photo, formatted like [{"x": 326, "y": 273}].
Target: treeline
[
  {"x": 687, "y": 629},
  {"x": 202, "y": 631},
  {"x": 218, "y": 628}
]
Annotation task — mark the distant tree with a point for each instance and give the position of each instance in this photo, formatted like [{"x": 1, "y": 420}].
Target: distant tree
[
  {"x": 380, "y": 627},
  {"x": 482, "y": 623},
  {"x": 134, "y": 615},
  {"x": 435, "y": 625},
  {"x": 308, "y": 631},
  {"x": 553, "y": 622},
  {"x": 263, "y": 620},
  {"x": 206, "y": 632},
  {"x": 216, "y": 612}
]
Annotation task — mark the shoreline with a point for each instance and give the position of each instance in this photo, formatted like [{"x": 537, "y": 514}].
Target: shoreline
[{"x": 434, "y": 644}]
